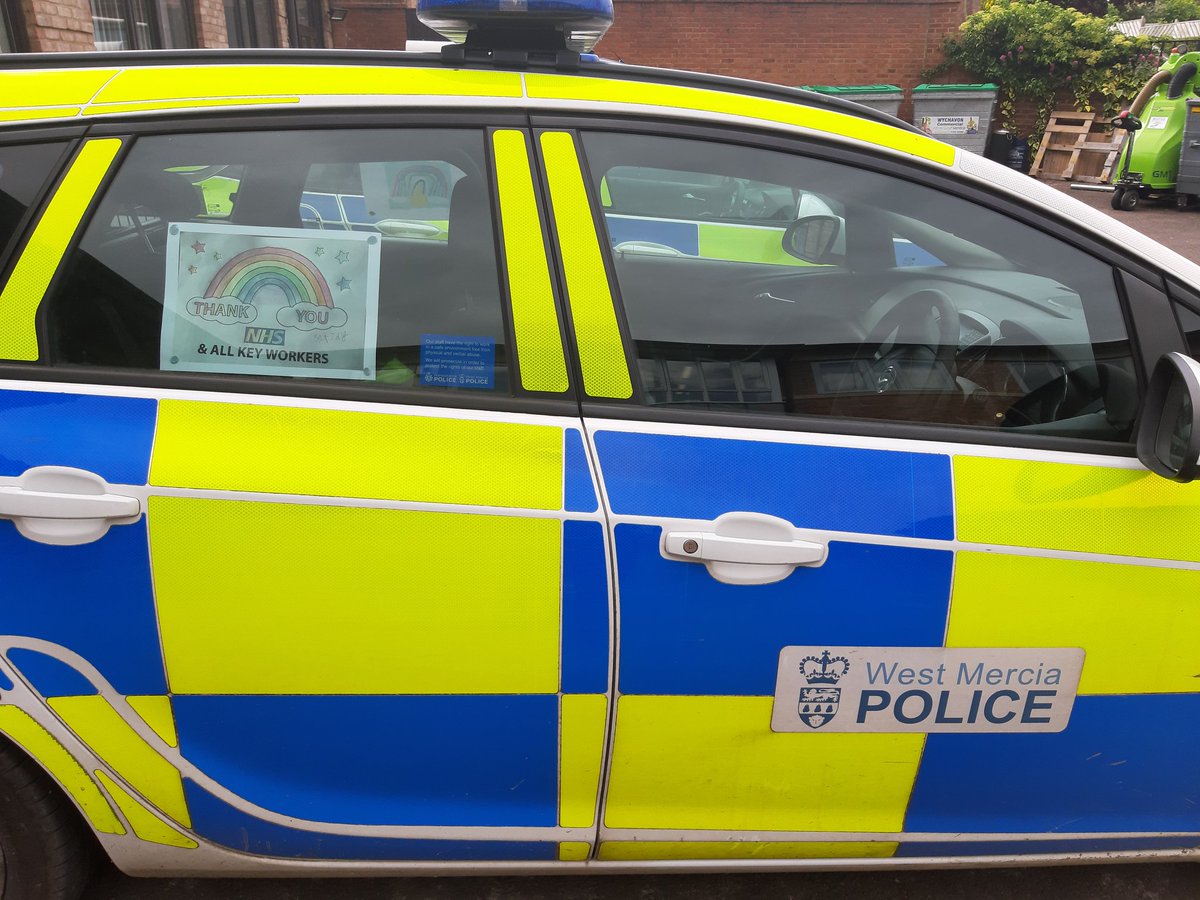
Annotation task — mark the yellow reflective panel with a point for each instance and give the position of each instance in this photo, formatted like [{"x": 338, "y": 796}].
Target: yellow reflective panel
[
  {"x": 601, "y": 350},
  {"x": 109, "y": 736},
  {"x": 651, "y": 850},
  {"x": 574, "y": 851},
  {"x": 39, "y": 261},
  {"x": 198, "y": 103},
  {"x": 277, "y": 598},
  {"x": 1118, "y": 614},
  {"x": 140, "y": 84},
  {"x": 54, "y": 87},
  {"x": 1058, "y": 506},
  {"x": 51, "y": 112},
  {"x": 156, "y": 712},
  {"x": 584, "y": 719},
  {"x": 644, "y": 93},
  {"x": 535, "y": 319},
  {"x": 338, "y": 453},
  {"x": 714, "y": 763},
  {"x": 145, "y": 824},
  {"x": 35, "y": 740}
]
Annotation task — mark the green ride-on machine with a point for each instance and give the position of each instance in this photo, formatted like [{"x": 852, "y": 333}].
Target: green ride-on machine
[{"x": 1148, "y": 164}]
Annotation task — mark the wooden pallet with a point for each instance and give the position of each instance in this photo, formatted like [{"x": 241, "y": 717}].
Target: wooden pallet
[{"x": 1072, "y": 151}]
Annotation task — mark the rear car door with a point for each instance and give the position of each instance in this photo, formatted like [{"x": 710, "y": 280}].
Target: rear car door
[
  {"x": 332, "y": 580},
  {"x": 890, "y": 581}
]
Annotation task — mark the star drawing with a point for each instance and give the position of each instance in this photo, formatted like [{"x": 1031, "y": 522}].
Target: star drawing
[
  {"x": 192, "y": 270},
  {"x": 198, "y": 246},
  {"x": 343, "y": 283},
  {"x": 320, "y": 251},
  {"x": 342, "y": 256},
  {"x": 217, "y": 256}
]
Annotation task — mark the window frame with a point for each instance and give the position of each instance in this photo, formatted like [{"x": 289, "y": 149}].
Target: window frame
[
  {"x": 13, "y": 25},
  {"x": 157, "y": 27},
  {"x": 49, "y": 368},
  {"x": 1132, "y": 276}
]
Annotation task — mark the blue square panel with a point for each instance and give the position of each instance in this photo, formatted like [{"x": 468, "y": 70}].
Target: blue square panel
[
  {"x": 1125, "y": 763},
  {"x": 386, "y": 760}
]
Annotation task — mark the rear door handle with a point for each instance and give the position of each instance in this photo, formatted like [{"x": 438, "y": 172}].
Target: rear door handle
[
  {"x": 63, "y": 506},
  {"x": 745, "y": 548}
]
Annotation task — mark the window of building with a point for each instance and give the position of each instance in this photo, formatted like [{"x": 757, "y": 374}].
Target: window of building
[
  {"x": 898, "y": 301},
  {"x": 251, "y": 23},
  {"x": 358, "y": 255},
  {"x": 8, "y": 29},
  {"x": 142, "y": 24}
]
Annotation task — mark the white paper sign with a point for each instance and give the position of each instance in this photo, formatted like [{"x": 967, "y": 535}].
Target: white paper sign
[
  {"x": 925, "y": 689},
  {"x": 950, "y": 124},
  {"x": 1157, "y": 123},
  {"x": 270, "y": 301}
]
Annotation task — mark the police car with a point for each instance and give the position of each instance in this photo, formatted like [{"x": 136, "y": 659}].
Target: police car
[{"x": 505, "y": 459}]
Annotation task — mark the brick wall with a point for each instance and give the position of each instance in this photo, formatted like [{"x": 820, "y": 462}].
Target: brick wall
[
  {"x": 370, "y": 25},
  {"x": 788, "y": 41},
  {"x": 210, "y": 23},
  {"x": 55, "y": 25}
]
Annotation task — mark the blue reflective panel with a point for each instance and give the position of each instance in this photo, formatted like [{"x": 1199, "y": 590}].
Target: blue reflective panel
[
  {"x": 579, "y": 495},
  {"x": 50, "y": 677},
  {"x": 825, "y": 488},
  {"x": 221, "y": 823},
  {"x": 1124, "y": 763},
  {"x": 1017, "y": 848},
  {"x": 94, "y": 599},
  {"x": 108, "y": 436},
  {"x": 585, "y": 633},
  {"x": 381, "y": 760},
  {"x": 684, "y": 632},
  {"x": 682, "y": 236}
]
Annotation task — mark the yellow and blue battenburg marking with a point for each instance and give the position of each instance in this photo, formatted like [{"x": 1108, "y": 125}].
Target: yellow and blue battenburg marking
[
  {"x": 327, "y": 663},
  {"x": 693, "y": 749}
]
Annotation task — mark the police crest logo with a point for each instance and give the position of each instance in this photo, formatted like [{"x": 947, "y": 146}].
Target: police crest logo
[{"x": 818, "y": 703}]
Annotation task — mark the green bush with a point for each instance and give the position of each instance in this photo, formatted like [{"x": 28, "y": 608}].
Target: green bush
[{"x": 1034, "y": 49}]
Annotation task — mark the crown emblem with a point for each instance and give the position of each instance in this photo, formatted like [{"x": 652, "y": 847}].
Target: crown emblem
[{"x": 831, "y": 668}]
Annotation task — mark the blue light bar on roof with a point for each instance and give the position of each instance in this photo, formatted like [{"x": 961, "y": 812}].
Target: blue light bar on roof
[{"x": 582, "y": 22}]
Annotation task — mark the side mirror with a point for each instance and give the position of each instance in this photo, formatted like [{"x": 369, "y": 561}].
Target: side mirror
[
  {"x": 810, "y": 238},
  {"x": 1168, "y": 437}
]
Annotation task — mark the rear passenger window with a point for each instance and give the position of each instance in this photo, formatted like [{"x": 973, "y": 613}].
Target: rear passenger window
[
  {"x": 360, "y": 255},
  {"x": 24, "y": 168},
  {"x": 760, "y": 281}
]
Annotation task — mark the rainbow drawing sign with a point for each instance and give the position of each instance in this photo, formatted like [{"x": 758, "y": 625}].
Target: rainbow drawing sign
[{"x": 270, "y": 301}]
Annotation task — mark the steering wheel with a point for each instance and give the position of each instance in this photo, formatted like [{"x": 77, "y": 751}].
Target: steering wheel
[
  {"x": 1087, "y": 389},
  {"x": 926, "y": 319}
]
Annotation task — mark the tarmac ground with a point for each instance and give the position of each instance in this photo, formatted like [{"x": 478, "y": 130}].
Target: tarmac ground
[{"x": 1161, "y": 220}]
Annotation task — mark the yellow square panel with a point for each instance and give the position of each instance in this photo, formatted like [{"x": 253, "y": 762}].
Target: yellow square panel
[
  {"x": 1090, "y": 509},
  {"x": 714, "y": 763},
  {"x": 339, "y": 453},
  {"x": 1137, "y": 624},
  {"x": 277, "y": 598}
]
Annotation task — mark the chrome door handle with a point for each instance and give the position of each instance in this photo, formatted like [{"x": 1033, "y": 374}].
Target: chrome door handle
[
  {"x": 746, "y": 548},
  {"x": 63, "y": 506}
]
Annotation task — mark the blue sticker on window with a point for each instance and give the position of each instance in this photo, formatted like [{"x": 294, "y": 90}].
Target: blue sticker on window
[{"x": 449, "y": 360}]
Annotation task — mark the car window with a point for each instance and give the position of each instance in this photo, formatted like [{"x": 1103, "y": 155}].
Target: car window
[
  {"x": 904, "y": 303},
  {"x": 322, "y": 254},
  {"x": 24, "y": 168},
  {"x": 1189, "y": 321}
]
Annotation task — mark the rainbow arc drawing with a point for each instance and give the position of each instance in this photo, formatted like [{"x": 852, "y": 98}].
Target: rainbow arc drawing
[{"x": 252, "y": 270}]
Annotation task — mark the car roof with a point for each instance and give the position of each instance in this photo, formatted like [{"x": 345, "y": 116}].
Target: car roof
[{"x": 85, "y": 86}]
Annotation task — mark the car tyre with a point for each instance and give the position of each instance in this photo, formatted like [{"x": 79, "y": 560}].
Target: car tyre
[
  {"x": 1116, "y": 197},
  {"x": 45, "y": 853},
  {"x": 1129, "y": 200}
]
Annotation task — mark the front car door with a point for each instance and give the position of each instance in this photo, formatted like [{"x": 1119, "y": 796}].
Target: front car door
[{"x": 890, "y": 581}]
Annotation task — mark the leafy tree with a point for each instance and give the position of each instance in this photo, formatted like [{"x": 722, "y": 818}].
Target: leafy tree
[{"x": 1034, "y": 48}]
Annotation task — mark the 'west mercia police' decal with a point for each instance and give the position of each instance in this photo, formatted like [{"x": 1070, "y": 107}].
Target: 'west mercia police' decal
[{"x": 925, "y": 689}]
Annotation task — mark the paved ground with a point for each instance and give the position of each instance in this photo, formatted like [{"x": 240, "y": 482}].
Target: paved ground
[
  {"x": 1179, "y": 230},
  {"x": 1159, "y": 219}
]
